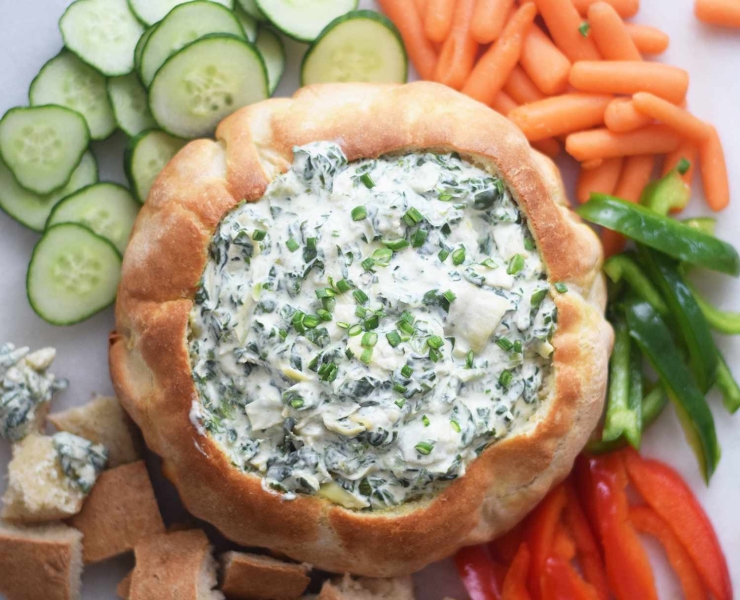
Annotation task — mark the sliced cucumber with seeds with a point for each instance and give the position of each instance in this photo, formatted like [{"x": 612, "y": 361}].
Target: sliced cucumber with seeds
[
  {"x": 130, "y": 104},
  {"x": 251, "y": 8},
  {"x": 103, "y": 33},
  {"x": 107, "y": 209},
  {"x": 304, "y": 20},
  {"x": 73, "y": 274},
  {"x": 42, "y": 146},
  {"x": 67, "y": 81},
  {"x": 146, "y": 155},
  {"x": 182, "y": 26},
  {"x": 248, "y": 23},
  {"x": 139, "y": 50},
  {"x": 273, "y": 53},
  {"x": 205, "y": 82},
  {"x": 32, "y": 210},
  {"x": 360, "y": 46},
  {"x": 153, "y": 11}
]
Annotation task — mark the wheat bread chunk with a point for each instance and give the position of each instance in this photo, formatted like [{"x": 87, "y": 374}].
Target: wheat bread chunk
[
  {"x": 257, "y": 577},
  {"x": 368, "y": 588}
]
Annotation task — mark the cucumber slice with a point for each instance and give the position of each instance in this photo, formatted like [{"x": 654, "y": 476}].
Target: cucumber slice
[
  {"x": 146, "y": 155},
  {"x": 130, "y": 104},
  {"x": 103, "y": 33},
  {"x": 43, "y": 145},
  {"x": 33, "y": 210},
  {"x": 250, "y": 7},
  {"x": 73, "y": 274},
  {"x": 107, "y": 209},
  {"x": 205, "y": 82},
  {"x": 248, "y": 23},
  {"x": 272, "y": 49},
  {"x": 304, "y": 20},
  {"x": 139, "y": 50},
  {"x": 153, "y": 11},
  {"x": 182, "y": 26},
  {"x": 67, "y": 81},
  {"x": 360, "y": 46}
]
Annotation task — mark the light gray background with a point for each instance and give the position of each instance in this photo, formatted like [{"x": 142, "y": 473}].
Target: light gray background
[{"x": 29, "y": 37}]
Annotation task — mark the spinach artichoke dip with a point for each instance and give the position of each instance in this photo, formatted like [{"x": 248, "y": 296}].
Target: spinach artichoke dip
[{"x": 366, "y": 329}]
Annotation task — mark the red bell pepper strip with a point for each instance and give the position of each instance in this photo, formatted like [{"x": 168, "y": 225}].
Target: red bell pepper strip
[
  {"x": 563, "y": 545},
  {"x": 481, "y": 575},
  {"x": 627, "y": 567},
  {"x": 645, "y": 519},
  {"x": 560, "y": 581},
  {"x": 515, "y": 584},
  {"x": 505, "y": 547},
  {"x": 667, "y": 493},
  {"x": 540, "y": 528}
]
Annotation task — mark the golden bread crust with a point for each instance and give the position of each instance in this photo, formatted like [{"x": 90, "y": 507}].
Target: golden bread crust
[{"x": 149, "y": 358}]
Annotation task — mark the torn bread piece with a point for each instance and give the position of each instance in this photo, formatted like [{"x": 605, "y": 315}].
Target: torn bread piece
[
  {"x": 50, "y": 477},
  {"x": 257, "y": 577},
  {"x": 120, "y": 511},
  {"x": 103, "y": 421},
  {"x": 368, "y": 588},
  {"x": 123, "y": 589},
  {"x": 174, "y": 566},
  {"x": 40, "y": 562}
]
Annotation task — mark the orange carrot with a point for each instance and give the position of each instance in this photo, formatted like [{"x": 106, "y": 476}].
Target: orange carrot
[
  {"x": 549, "y": 147},
  {"x": 408, "y": 21},
  {"x": 421, "y": 6},
  {"x": 459, "y": 50},
  {"x": 495, "y": 66},
  {"x": 718, "y": 12},
  {"x": 438, "y": 19},
  {"x": 649, "y": 40},
  {"x": 547, "y": 66},
  {"x": 592, "y": 164},
  {"x": 601, "y": 180},
  {"x": 635, "y": 176},
  {"x": 624, "y": 8},
  {"x": 563, "y": 21},
  {"x": 602, "y": 143},
  {"x": 713, "y": 170},
  {"x": 489, "y": 19},
  {"x": 678, "y": 119},
  {"x": 521, "y": 88},
  {"x": 686, "y": 151},
  {"x": 622, "y": 116},
  {"x": 630, "y": 77},
  {"x": 503, "y": 103},
  {"x": 560, "y": 115},
  {"x": 610, "y": 34}
]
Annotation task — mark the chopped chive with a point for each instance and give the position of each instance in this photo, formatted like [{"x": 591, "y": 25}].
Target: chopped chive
[
  {"x": 518, "y": 347},
  {"x": 683, "y": 166},
  {"x": 369, "y": 339},
  {"x": 360, "y": 296},
  {"x": 469, "y": 360},
  {"x": 367, "y": 180},
  {"x": 382, "y": 257},
  {"x": 538, "y": 297},
  {"x": 365, "y": 488},
  {"x": 367, "y": 355},
  {"x": 297, "y": 403},
  {"x": 455, "y": 425},
  {"x": 343, "y": 286},
  {"x": 311, "y": 243},
  {"x": 396, "y": 245},
  {"x": 505, "y": 378},
  {"x": 443, "y": 254},
  {"x": 434, "y": 355},
  {"x": 419, "y": 237},
  {"x": 359, "y": 213},
  {"x": 406, "y": 327},
  {"x": 292, "y": 244},
  {"x": 584, "y": 29},
  {"x": 324, "y": 314},
  {"x": 446, "y": 229},
  {"x": 311, "y": 321},
  {"x": 407, "y": 317},
  {"x": 412, "y": 216},
  {"x": 435, "y": 342},
  {"x": 393, "y": 338},
  {"x": 425, "y": 420},
  {"x": 505, "y": 343},
  {"x": 400, "y": 403},
  {"x": 283, "y": 334},
  {"x": 360, "y": 312},
  {"x": 342, "y": 325},
  {"x": 449, "y": 295},
  {"x": 368, "y": 264},
  {"x": 516, "y": 264},
  {"x": 528, "y": 244},
  {"x": 371, "y": 322},
  {"x": 328, "y": 372},
  {"x": 489, "y": 263},
  {"x": 424, "y": 448},
  {"x": 259, "y": 235},
  {"x": 298, "y": 325},
  {"x": 314, "y": 362},
  {"x": 329, "y": 304},
  {"x": 561, "y": 287},
  {"x": 458, "y": 256},
  {"x": 444, "y": 197},
  {"x": 325, "y": 293},
  {"x": 401, "y": 389},
  {"x": 407, "y": 371},
  {"x": 349, "y": 354},
  {"x": 356, "y": 329}
]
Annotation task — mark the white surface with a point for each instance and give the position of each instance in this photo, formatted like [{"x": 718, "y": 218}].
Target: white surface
[{"x": 29, "y": 37}]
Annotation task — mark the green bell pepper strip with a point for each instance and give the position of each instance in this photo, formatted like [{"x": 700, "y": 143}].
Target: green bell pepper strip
[
  {"x": 623, "y": 266},
  {"x": 727, "y": 386},
  {"x": 691, "y": 324},
  {"x": 651, "y": 333},
  {"x": 705, "y": 224},
  {"x": 666, "y": 194},
  {"x": 661, "y": 233},
  {"x": 652, "y": 407},
  {"x": 722, "y": 321}
]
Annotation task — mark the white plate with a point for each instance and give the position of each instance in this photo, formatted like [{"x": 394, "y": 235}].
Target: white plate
[{"x": 29, "y": 37}]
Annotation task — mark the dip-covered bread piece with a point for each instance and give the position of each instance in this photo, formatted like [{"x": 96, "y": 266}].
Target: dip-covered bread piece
[{"x": 393, "y": 348}]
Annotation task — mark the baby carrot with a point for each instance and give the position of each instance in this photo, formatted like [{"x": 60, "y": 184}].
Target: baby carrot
[
  {"x": 678, "y": 119},
  {"x": 602, "y": 143},
  {"x": 622, "y": 116},
  {"x": 601, "y": 180},
  {"x": 503, "y": 103},
  {"x": 610, "y": 34},
  {"x": 635, "y": 176},
  {"x": 630, "y": 77},
  {"x": 458, "y": 53},
  {"x": 521, "y": 88},
  {"x": 489, "y": 19},
  {"x": 718, "y": 12},
  {"x": 563, "y": 21},
  {"x": 687, "y": 151},
  {"x": 549, "y": 147},
  {"x": 545, "y": 64},
  {"x": 408, "y": 21},
  {"x": 560, "y": 115},
  {"x": 649, "y": 40},
  {"x": 438, "y": 19},
  {"x": 495, "y": 66},
  {"x": 421, "y": 6},
  {"x": 624, "y": 8},
  {"x": 713, "y": 170},
  {"x": 592, "y": 164}
]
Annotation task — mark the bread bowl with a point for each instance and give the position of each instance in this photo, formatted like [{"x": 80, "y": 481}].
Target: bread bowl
[{"x": 162, "y": 313}]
